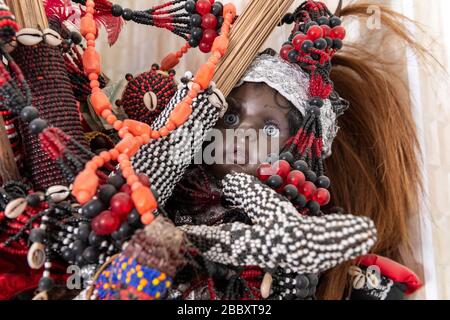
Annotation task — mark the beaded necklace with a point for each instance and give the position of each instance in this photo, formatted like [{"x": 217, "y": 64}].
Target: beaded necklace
[{"x": 134, "y": 134}]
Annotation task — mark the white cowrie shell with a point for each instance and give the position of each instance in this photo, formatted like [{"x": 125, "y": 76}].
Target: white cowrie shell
[
  {"x": 29, "y": 36},
  {"x": 15, "y": 208},
  {"x": 359, "y": 281},
  {"x": 266, "y": 285},
  {"x": 36, "y": 256},
  {"x": 41, "y": 296},
  {"x": 354, "y": 271},
  {"x": 58, "y": 193},
  {"x": 150, "y": 100},
  {"x": 52, "y": 38}
]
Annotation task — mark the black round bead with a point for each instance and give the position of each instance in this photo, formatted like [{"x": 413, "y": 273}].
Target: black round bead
[
  {"x": 335, "y": 21},
  {"x": 37, "y": 125},
  {"x": 117, "y": 181},
  {"x": 275, "y": 182},
  {"x": 337, "y": 210},
  {"x": 127, "y": 14},
  {"x": 313, "y": 207},
  {"x": 307, "y": 45},
  {"x": 29, "y": 113},
  {"x": 292, "y": 56},
  {"x": 220, "y": 21},
  {"x": 329, "y": 41},
  {"x": 323, "y": 21},
  {"x": 313, "y": 279},
  {"x": 290, "y": 191},
  {"x": 316, "y": 101},
  {"x": 76, "y": 37},
  {"x": 288, "y": 156},
  {"x": 196, "y": 33},
  {"x": 217, "y": 9},
  {"x": 288, "y": 18},
  {"x": 301, "y": 281},
  {"x": 106, "y": 192},
  {"x": 78, "y": 247},
  {"x": 134, "y": 218},
  {"x": 301, "y": 165},
  {"x": 300, "y": 201},
  {"x": 302, "y": 293},
  {"x": 45, "y": 284},
  {"x": 116, "y": 236},
  {"x": 79, "y": 260},
  {"x": 124, "y": 230},
  {"x": 321, "y": 44},
  {"x": 90, "y": 254},
  {"x": 37, "y": 235},
  {"x": 68, "y": 255},
  {"x": 312, "y": 291},
  {"x": 196, "y": 20},
  {"x": 95, "y": 240},
  {"x": 310, "y": 24},
  {"x": 189, "y": 6},
  {"x": 311, "y": 176},
  {"x": 323, "y": 182},
  {"x": 337, "y": 44},
  {"x": 84, "y": 230},
  {"x": 93, "y": 208},
  {"x": 116, "y": 10},
  {"x": 33, "y": 200},
  {"x": 193, "y": 42}
]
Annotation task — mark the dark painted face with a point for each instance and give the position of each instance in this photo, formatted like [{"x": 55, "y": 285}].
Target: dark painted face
[{"x": 260, "y": 112}]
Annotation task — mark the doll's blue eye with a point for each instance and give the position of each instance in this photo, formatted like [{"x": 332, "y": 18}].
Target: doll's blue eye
[
  {"x": 271, "y": 130},
  {"x": 231, "y": 119}
]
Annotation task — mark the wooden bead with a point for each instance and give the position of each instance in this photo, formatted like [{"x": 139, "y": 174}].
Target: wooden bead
[
  {"x": 91, "y": 61},
  {"x": 169, "y": 62},
  {"x": 137, "y": 128},
  {"x": 143, "y": 199},
  {"x": 87, "y": 25},
  {"x": 128, "y": 146},
  {"x": 100, "y": 102}
]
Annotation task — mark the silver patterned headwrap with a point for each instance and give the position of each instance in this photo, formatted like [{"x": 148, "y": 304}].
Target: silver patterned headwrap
[{"x": 292, "y": 83}]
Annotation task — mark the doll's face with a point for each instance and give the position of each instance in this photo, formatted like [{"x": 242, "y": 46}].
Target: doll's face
[{"x": 260, "y": 112}]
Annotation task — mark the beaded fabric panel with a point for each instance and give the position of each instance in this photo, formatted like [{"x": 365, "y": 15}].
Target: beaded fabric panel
[
  {"x": 280, "y": 236},
  {"x": 45, "y": 71},
  {"x": 165, "y": 160}
]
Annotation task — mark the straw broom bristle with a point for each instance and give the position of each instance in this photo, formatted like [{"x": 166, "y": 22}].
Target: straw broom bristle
[{"x": 249, "y": 33}]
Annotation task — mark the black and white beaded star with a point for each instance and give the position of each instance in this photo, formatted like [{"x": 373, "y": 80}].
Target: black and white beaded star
[
  {"x": 279, "y": 236},
  {"x": 165, "y": 160}
]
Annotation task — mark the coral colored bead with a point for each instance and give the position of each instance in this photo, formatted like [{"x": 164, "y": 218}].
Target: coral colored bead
[
  {"x": 94, "y": 84},
  {"x": 90, "y": 37},
  {"x": 91, "y": 61},
  {"x": 322, "y": 196},
  {"x": 100, "y": 102},
  {"x": 145, "y": 138},
  {"x": 121, "y": 205},
  {"x": 204, "y": 76},
  {"x": 105, "y": 155},
  {"x": 139, "y": 140},
  {"x": 147, "y": 219},
  {"x": 307, "y": 189},
  {"x": 129, "y": 146},
  {"x": 213, "y": 60},
  {"x": 98, "y": 161},
  {"x": 221, "y": 44},
  {"x": 164, "y": 132},
  {"x": 132, "y": 179},
  {"x": 118, "y": 125},
  {"x": 192, "y": 94},
  {"x": 179, "y": 54},
  {"x": 180, "y": 114},
  {"x": 87, "y": 25},
  {"x": 126, "y": 172},
  {"x": 111, "y": 119},
  {"x": 123, "y": 132},
  {"x": 136, "y": 186},
  {"x": 91, "y": 43},
  {"x": 114, "y": 154},
  {"x": 196, "y": 87},
  {"x": 144, "y": 201},
  {"x": 137, "y": 128},
  {"x": 90, "y": 3},
  {"x": 105, "y": 223},
  {"x": 171, "y": 126},
  {"x": 91, "y": 165},
  {"x": 229, "y": 9},
  {"x": 123, "y": 157},
  {"x": 169, "y": 62},
  {"x": 93, "y": 76},
  {"x": 155, "y": 135},
  {"x": 106, "y": 113},
  {"x": 85, "y": 186}
]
